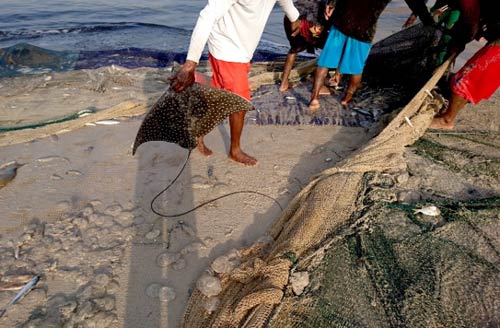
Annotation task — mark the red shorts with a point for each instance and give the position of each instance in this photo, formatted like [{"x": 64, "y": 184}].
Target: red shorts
[
  {"x": 480, "y": 76},
  {"x": 230, "y": 76}
]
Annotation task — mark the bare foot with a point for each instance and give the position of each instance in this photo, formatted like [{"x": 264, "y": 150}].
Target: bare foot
[
  {"x": 347, "y": 98},
  {"x": 324, "y": 91},
  {"x": 242, "y": 158},
  {"x": 440, "y": 123},
  {"x": 314, "y": 105},
  {"x": 285, "y": 86},
  {"x": 204, "y": 150}
]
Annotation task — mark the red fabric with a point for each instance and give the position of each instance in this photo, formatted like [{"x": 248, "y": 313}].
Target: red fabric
[
  {"x": 230, "y": 76},
  {"x": 304, "y": 30},
  {"x": 480, "y": 76}
]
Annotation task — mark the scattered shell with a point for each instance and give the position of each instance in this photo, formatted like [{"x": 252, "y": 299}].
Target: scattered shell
[
  {"x": 328, "y": 159},
  {"x": 125, "y": 218},
  {"x": 208, "y": 285},
  {"x": 102, "y": 280},
  {"x": 191, "y": 248},
  {"x": 153, "y": 234},
  {"x": 180, "y": 264},
  {"x": 107, "y": 303},
  {"x": 428, "y": 210},
  {"x": 88, "y": 210},
  {"x": 166, "y": 294},
  {"x": 222, "y": 264},
  {"x": 113, "y": 210},
  {"x": 153, "y": 290},
  {"x": 66, "y": 309},
  {"x": 211, "y": 304},
  {"x": 166, "y": 259},
  {"x": 299, "y": 281}
]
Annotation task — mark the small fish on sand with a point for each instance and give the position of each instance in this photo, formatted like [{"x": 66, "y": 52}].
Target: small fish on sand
[
  {"x": 25, "y": 290},
  {"x": 48, "y": 159},
  {"x": 428, "y": 210},
  {"x": 107, "y": 122}
]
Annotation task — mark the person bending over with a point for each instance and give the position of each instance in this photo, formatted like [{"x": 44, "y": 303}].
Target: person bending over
[
  {"x": 315, "y": 17},
  {"x": 479, "y": 78}
]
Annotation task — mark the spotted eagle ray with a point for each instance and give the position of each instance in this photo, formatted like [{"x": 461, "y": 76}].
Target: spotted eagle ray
[{"x": 183, "y": 117}]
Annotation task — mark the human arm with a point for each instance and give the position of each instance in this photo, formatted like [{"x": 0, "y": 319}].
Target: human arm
[
  {"x": 209, "y": 16},
  {"x": 419, "y": 8},
  {"x": 293, "y": 15}
]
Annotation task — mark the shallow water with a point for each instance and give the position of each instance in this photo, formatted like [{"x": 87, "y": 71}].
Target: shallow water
[{"x": 96, "y": 24}]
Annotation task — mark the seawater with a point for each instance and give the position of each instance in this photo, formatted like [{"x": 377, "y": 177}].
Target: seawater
[{"x": 96, "y": 26}]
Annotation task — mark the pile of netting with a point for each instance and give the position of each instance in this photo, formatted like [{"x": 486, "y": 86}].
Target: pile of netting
[{"x": 336, "y": 258}]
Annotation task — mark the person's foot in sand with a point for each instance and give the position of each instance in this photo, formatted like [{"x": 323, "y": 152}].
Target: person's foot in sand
[
  {"x": 241, "y": 157},
  {"x": 204, "y": 150},
  {"x": 446, "y": 120},
  {"x": 354, "y": 82},
  {"x": 347, "y": 98},
  {"x": 285, "y": 85},
  {"x": 319, "y": 82},
  {"x": 236, "y": 122},
  {"x": 440, "y": 123},
  {"x": 314, "y": 105}
]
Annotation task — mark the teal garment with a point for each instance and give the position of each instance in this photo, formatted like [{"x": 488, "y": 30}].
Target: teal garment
[
  {"x": 447, "y": 20},
  {"x": 346, "y": 54}
]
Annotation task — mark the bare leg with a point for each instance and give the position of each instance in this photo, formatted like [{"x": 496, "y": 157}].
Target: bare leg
[
  {"x": 354, "y": 82},
  {"x": 319, "y": 80},
  {"x": 290, "y": 60},
  {"x": 202, "y": 148},
  {"x": 236, "y": 121},
  {"x": 446, "y": 120}
]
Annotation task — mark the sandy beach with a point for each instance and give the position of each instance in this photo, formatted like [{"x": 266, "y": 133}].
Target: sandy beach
[
  {"x": 78, "y": 211},
  {"x": 78, "y": 214}
]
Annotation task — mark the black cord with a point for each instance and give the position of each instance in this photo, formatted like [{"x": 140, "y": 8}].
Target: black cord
[{"x": 204, "y": 203}]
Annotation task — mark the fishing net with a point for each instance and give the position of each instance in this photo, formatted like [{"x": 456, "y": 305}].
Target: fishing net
[{"x": 372, "y": 262}]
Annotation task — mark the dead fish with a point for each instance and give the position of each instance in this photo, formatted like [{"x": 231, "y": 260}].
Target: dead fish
[
  {"x": 183, "y": 117},
  {"x": 428, "y": 210},
  {"x": 48, "y": 159},
  {"x": 14, "y": 282},
  {"x": 8, "y": 172},
  {"x": 32, "y": 283},
  {"x": 107, "y": 122}
]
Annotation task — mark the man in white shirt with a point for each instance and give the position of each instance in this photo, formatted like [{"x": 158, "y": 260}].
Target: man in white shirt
[{"x": 232, "y": 29}]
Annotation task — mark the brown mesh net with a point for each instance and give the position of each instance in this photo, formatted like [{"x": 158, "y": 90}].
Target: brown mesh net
[{"x": 372, "y": 264}]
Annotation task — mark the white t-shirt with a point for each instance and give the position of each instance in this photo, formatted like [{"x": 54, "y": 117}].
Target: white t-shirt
[{"x": 233, "y": 28}]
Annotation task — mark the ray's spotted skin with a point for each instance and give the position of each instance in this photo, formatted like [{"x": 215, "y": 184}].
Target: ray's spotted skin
[{"x": 184, "y": 117}]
